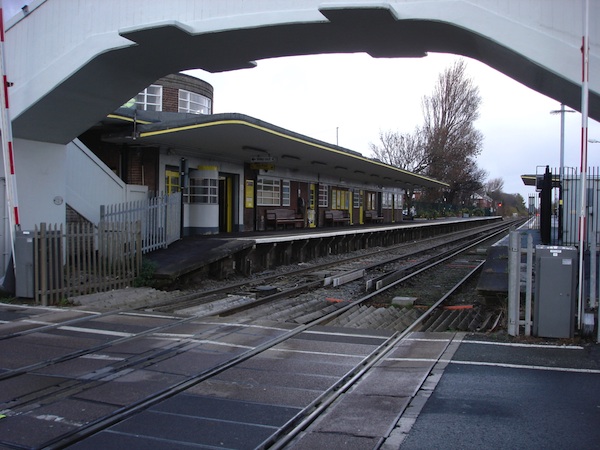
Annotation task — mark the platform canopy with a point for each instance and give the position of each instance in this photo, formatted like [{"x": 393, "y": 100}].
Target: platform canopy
[
  {"x": 239, "y": 138},
  {"x": 536, "y": 180}
]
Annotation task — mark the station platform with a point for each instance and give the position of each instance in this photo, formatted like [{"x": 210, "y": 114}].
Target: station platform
[{"x": 248, "y": 252}]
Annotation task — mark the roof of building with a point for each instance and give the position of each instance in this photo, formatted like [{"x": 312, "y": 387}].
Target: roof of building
[{"x": 239, "y": 138}]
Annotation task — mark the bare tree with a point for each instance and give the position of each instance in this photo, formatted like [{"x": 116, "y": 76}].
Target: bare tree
[
  {"x": 406, "y": 151},
  {"x": 453, "y": 143},
  {"x": 494, "y": 185}
]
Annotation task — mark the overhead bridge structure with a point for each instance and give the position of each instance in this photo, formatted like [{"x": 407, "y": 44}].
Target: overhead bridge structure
[
  {"x": 74, "y": 62},
  {"x": 71, "y": 63}
]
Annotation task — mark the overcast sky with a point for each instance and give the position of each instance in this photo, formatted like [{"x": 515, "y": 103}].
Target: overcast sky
[{"x": 350, "y": 98}]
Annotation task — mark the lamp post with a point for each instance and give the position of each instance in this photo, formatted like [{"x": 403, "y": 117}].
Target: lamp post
[{"x": 562, "y": 112}]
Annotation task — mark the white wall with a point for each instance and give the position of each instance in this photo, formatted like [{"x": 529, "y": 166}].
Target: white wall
[
  {"x": 90, "y": 183},
  {"x": 40, "y": 170}
]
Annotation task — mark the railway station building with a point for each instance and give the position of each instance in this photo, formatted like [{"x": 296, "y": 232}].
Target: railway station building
[{"x": 236, "y": 172}]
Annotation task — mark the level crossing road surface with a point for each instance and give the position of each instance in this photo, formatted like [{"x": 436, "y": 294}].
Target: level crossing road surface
[
  {"x": 433, "y": 390},
  {"x": 512, "y": 396}
]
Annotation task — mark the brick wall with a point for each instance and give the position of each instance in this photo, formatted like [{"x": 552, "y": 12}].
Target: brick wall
[{"x": 170, "y": 99}]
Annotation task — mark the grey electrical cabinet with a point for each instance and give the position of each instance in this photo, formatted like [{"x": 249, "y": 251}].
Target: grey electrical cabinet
[
  {"x": 24, "y": 264},
  {"x": 555, "y": 293}
]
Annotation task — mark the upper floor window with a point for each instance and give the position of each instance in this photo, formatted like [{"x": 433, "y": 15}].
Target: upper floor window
[
  {"x": 150, "y": 99},
  {"x": 190, "y": 102}
]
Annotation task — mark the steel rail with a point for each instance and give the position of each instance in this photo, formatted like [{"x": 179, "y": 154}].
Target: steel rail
[
  {"x": 303, "y": 419},
  {"x": 192, "y": 298},
  {"x": 130, "y": 410}
]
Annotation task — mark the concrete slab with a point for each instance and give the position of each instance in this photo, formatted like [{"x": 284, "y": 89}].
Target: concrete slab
[
  {"x": 141, "y": 345},
  {"x": 421, "y": 349},
  {"x": 193, "y": 328},
  {"x": 75, "y": 412},
  {"x": 60, "y": 339},
  {"x": 145, "y": 321},
  {"x": 322, "y": 364},
  {"x": 321, "y": 346},
  {"x": 82, "y": 333},
  {"x": 224, "y": 409},
  {"x": 111, "y": 440},
  {"x": 57, "y": 315},
  {"x": 190, "y": 363},
  {"x": 78, "y": 367},
  {"x": 265, "y": 378},
  {"x": 16, "y": 327},
  {"x": 342, "y": 337},
  {"x": 26, "y": 384},
  {"x": 15, "y": 353},
  {"x": 363, "y": 415},
  {"x": 312, "y": 441},
  {"x": 249, "y": 336},
  {"x": 24, "y": 431},
  {"x": 130, "y": 388},
  {"x": 186, "y": 429},
  {"x": 272, "y": 395},
  {"x": 399, "y": 379}
]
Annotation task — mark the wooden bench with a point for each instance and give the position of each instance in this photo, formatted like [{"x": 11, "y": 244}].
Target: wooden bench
[
  {"x": 336, "y": 216},
  {"x": 372, "y": 216},
  {"x": 276, "y": 217}
]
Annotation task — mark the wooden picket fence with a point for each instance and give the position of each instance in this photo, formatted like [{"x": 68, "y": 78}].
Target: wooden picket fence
[{"x": 85, "y": 259}]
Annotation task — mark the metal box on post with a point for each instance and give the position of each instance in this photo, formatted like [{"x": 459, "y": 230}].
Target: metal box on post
[
  {"x": 555, "y": 293},
  {"x": 24, "y": 264}
]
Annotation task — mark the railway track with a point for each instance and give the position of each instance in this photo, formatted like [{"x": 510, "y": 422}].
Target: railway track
[
  {"x": 90, "y": 358},
  {"x": 376, "y": 264}
]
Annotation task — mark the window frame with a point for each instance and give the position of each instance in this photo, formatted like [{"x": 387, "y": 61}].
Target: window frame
[
  {"x": 142, "y": 99},
  {"x": 266, "y": 185},
  {"x": 203, "y": 191},
  {"x": 323, "y": 195},
  {"x": 188, "y": 98}
]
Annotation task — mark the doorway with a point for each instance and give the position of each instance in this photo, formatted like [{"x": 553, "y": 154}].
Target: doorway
[{"x": 227, "y": 202}]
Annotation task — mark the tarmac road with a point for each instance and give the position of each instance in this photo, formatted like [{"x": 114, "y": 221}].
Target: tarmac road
[{"x": 507, "y": 396}]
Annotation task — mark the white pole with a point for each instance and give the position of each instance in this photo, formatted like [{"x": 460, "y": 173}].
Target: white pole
[
  {"x": 584, "y": 138},
  {"x": 514, "y": 287},
  {"x": 7, "y": 144}
]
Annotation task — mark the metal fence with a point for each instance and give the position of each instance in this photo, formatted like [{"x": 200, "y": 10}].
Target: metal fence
[
  {"x": 84, "y": 259},
  {"x": 565, "y": 223},
  {"x": 160, "y": 218}
]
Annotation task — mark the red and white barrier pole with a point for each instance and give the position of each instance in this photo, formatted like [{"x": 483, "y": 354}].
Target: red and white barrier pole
[
  {"x": 7, "y": 144},
  {"x": 585, "y": 72}
]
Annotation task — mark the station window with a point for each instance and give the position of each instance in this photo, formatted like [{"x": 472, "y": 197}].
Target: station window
[
  {"x": 387, "y": 200},
  {"x": 340, "y": 199},
  {"x": 356, "y": 199},
  {"x": 204, "y": 190},
  {"x": 285, "y": 192},
  {"x": 323, "y": 196},
  {"x": 370, "y": 201},
  {"x": 172, "y": 182},
  {"x": 190, "y": 102},
  {"x": 268, "y": 192},
  {"x": 150, "y": 99}
]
